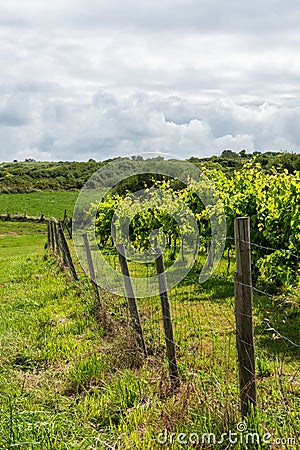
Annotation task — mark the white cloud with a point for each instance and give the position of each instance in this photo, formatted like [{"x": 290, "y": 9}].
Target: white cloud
[
  {"x": 109, "y": 126},
  {"x": 81, "y": 79}
]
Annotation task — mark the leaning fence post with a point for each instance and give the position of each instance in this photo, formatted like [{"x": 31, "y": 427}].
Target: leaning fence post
[
  {"x": 243, "y": 315},
  {"x": 91, "y": 267},
  {"x": 133, "y": 310},
  {"x": 165, "y": 304},
  {"x": 52, "y": 236},
  {"x": 68, "y": 228},
  {"x": 66, "y": 252},
  {"x": 56, "y": 238}
]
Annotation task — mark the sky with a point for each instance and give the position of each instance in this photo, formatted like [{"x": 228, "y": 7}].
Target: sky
[{"x": 106, "y": 78}]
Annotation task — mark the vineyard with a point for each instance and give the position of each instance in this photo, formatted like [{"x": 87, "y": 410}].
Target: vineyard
[
  {"x": 71, "y": 373},
  {"x": 270, "y": 199}
]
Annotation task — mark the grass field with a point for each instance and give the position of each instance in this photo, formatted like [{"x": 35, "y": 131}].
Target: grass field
[
  {"x": 68, "y": 381},
  {"x": 19, "y": 239},
  {"x": 49, "y": 203}
]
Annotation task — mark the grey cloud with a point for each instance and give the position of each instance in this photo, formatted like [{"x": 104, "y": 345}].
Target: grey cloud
[
  {"x": 163, "y": 16},
  {"x": 15, "y": 111},
  {"x": 196, "y": 63},
  {"x": 111, "y": 125},
  {"x": 97, "y": 79},
  {"x": 32, "y": 87}
]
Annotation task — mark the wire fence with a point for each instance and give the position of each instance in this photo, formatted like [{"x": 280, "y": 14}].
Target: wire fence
[{"x": 207, "y": 333}]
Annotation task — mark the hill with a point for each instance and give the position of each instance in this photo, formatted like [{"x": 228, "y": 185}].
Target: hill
[{"x": 25, "y": 177}]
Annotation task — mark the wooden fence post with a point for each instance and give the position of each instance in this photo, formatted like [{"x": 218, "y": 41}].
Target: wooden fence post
[
  {"x": 66, "y": 252},
  {"x": 56, "y": 236},
  {"x": 168, "y": 328},
  {"x": 48, "y": 234},
  {"x": 52, "y": 236},
  {"x": 68, "y": 228},
  {"x": 91, "y": 267},
  {"x": 243, "y": 315},
  {"x": 132, "y": 305}
]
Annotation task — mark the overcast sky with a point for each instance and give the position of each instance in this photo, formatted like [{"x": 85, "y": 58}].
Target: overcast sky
[{"x": 103, "y": 78}]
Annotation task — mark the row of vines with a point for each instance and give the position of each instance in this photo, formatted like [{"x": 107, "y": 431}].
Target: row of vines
[{"x": 270, "y": 198}]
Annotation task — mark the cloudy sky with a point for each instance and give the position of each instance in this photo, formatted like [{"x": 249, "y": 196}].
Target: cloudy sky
[{"x": 102, "y": 78}]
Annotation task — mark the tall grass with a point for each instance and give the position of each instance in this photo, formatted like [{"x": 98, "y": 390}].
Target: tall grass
[{"x": 70, "y": 382}]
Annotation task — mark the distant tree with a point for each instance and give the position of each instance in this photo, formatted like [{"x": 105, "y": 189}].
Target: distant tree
[
  {"x": 194, "y": 159},
  {"x": 263, "y": 160},
  {"x": 228, "y": 154},
  {"x": 289, "y": 161}
]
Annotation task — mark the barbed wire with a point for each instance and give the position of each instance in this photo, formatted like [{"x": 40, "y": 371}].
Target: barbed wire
[
  {"x": 271, "y": 328},
  {"x": 230, "y": 238},
  {"x": 268, "y": 327},
  {"x": 267, "y": 321},
  {"x": 250, "y": 286},
  {"x": 263, "y": 247}
]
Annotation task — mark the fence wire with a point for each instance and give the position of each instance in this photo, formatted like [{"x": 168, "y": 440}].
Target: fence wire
[{"x": 204, "y": 326}]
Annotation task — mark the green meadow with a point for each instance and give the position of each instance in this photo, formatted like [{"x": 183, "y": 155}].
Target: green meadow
[
  {"x": 71, "y": 378},
  {"x": 49, "y": 203}
]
